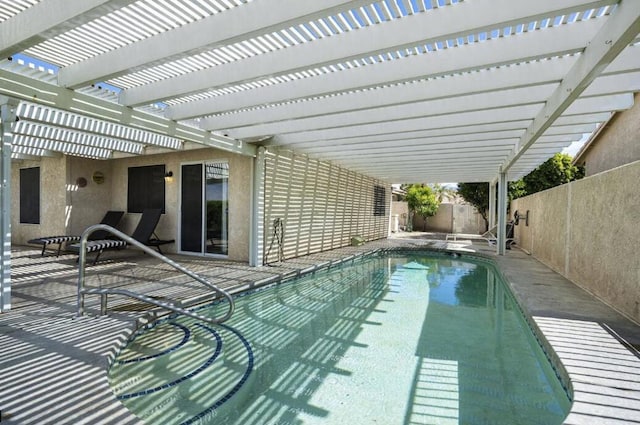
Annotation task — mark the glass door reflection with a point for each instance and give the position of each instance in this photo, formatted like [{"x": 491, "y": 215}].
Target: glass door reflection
[{"x": 217, "y": 207}]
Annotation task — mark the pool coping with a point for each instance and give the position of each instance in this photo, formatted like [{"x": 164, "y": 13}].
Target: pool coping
[{"x": 599, "y": 365}]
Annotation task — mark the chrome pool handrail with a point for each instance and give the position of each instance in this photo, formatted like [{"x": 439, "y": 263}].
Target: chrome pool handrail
[{"x": 172, "y": 306}]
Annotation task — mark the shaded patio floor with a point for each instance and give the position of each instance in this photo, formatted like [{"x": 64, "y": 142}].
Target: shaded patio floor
[{"x": 53, "y": 364}]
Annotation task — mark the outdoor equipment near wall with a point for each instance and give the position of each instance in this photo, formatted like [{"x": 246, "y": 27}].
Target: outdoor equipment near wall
[{"x": 277, "y": 237}]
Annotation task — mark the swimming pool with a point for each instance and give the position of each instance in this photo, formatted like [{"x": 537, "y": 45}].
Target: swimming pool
[{"x": 404, "y": 338}]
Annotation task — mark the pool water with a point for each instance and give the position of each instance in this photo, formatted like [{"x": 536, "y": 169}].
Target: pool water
[{"x": 399, "y": 339}]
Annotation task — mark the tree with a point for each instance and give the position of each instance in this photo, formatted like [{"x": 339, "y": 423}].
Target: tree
[
  {"x": 553, "y": 172},
  {"x": 477, "y": 194},
  {"x": 422, "y": 201},
  {"x": 442, "y": 192}
]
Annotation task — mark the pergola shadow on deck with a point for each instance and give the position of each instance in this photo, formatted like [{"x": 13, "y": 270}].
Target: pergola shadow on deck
[{"x": 54, "y": 364}]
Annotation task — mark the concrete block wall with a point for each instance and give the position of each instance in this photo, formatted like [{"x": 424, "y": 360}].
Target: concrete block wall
[
  {"x": 450, "y": 218},
  {"x": 588, "y": 231}
]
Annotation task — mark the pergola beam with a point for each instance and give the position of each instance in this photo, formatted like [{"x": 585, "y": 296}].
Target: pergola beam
[
  {"x": 466, "y": 90},
  {"x": 619, "y": 30},
  {"x": 442, "y": 107},
  {"x": 436, "y": 143},
  {"x": 418, "y": 152},
  {"x": 47, "y": 19},
  {"x": 496, "y": 115},
  {"x": 464, "y": 132},
  {"x": 545, "y": 43},
  {"x": 255, "y": 19},
  {"x": 523, "y": 75},
  {"x": 462, "y": 20},
  {"x": 34, "y": 91},
  {"x": 479, "y": 156}
]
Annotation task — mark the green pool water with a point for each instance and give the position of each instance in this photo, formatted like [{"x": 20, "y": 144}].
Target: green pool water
[{"x": 397, "y": 339}]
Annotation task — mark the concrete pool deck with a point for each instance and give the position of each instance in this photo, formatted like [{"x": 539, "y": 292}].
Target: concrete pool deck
[{"x": 53, "y": 364}]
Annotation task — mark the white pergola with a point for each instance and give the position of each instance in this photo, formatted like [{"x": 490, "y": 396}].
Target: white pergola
[{"x": 400, "y": 90}]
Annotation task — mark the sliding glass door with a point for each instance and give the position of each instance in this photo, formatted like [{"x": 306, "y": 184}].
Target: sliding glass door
[
  {"x": 217, "y": 207},
  {"x": 205, "y": 208}
]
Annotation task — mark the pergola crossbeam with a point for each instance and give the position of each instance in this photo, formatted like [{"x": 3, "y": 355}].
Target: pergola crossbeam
[
  {"x": 48, "y": 19},
  {"x": 555, "y": 41},
  {"x": 430, "y": 108},
  {"x": 255, "y": 19},
  {"x": 621, "y": 28},
  {"x": 28, "y": 89},
  {"x": 394, "y": 35}
]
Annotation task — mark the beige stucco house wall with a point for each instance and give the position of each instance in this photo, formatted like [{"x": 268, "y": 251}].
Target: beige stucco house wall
[
  {"x": 87, "y": 205},
  {"x": 53, "y": 199},
  {"x": 240, "y": 178},
  {"x": 66, "y": 208},
  {"x": 615, "y": 144}
]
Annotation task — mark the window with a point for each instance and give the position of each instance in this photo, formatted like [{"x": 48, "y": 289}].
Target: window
[
  {"x": 145, "y": 188},
  {"x": 30, "y": 195},
  {"x": 379, "y": 200}
]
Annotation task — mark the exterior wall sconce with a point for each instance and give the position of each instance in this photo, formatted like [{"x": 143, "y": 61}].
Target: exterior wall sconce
[{"x": 168, "y": 177}]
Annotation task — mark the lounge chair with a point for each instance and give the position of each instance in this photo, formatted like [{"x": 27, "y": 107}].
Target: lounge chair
[
  {"x": 491, "y": 235},
  {"x": 143, "y": 233},
  {"x": 111, "y": 218}
]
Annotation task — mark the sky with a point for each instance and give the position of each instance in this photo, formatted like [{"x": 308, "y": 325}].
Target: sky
[{"x": 574, "y": 147}]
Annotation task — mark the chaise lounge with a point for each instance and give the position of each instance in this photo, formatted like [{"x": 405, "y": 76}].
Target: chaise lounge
[
  {"x": 111, "y": 218},
  {"x": 143, "y": 233},
  {"x": 491, "y": 235}
]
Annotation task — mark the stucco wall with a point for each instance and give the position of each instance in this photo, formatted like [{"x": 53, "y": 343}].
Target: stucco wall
[
  {"x": 53, "y": 205},
  {"x": 69, "y": 209},
  {"x": 441, "y": 222},
  {"x": 240, "y": 179},
  {"x": 546, "y": 234},
  {"x": 450, "y": 218},
  {"x": 618, "y": 142},
  {"x": 87, "y": 205},
  {"x": 588, "y": 231}
]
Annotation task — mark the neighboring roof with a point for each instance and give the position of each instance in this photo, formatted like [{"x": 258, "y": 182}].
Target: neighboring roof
[
  {"x": 401, "y": 90},
  {"x": 578, "y": 159}
]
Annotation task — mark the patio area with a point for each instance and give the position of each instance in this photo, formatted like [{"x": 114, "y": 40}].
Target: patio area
[
  {"x": 54, "y": 363},
  {"x": 305, "y": 113}
]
